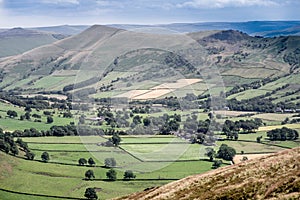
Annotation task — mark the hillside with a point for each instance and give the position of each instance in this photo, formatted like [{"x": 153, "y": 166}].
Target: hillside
[
  {"x": 108, "y": 61},
  {"x": 18, "y": 40},
  {"x": 276, "y": 176},
  {"x": 63, "y": 29}
]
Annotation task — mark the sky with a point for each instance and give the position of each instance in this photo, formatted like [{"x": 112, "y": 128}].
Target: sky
[{"x": 33, "y": 13}]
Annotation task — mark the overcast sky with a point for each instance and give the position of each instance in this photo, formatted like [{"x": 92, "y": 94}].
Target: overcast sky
[{"x": 29, "y": 13}]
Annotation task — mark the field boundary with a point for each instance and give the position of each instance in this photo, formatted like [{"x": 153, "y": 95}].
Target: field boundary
[
  {"x": 59, "y": 143},
  {"x": 82, "y": 151},
  {"x": 134, "y": 156},
  {"x": 130, "y": 143},
  {"x": 40, "y": 195},
  {"x": 250, "y": 141}
]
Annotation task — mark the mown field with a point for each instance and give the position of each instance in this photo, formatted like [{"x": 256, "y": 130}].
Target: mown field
[{"x": 67, "y": 180}]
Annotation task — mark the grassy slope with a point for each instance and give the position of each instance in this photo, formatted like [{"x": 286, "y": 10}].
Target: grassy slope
[
  {"x": 275, "y": 176},
  {"x": 18, "y": 45},
  {"x": 58, "y": 180},
  {"x": 257, "y": 65},
  {"x": 62, "y": 180}
]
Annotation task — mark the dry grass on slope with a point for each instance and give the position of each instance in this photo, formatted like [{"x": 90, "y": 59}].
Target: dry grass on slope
[{"x": 275, "y": 176}]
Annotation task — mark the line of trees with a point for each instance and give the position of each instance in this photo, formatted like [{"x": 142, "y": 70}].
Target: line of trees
[
  {"x": 8, "y": 145},
  {"x": 283, "y": 134},
  {"x": 111, "y": 175},
  {"x": 225, "y": 152},
  {"x": 83, "y": 161},
  {"x": 231, "y": 128},
  {"x": 67, "y": 130}
]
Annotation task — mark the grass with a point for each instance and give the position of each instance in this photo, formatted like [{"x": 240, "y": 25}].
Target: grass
[
  {"x": 67, "y": 139},
  {"x": 250, "y": 147},
  {"x": 273, "y": 116},
  {"x": 251, "y": 72},
  {"x": 64, "y": 180},
  {"x": 268, "y": 128},
  {"x": 21, "y": 83},
  {"x": 11, "y": 124},
  {"x": 248, "y": 94},
  {"x": 182, "y": 93},
  {"x": 18, "y": 45},
  {"x": 9, "y": 196},
  {"x": 53, "y": 82},
  {"x": 15, "y": 124},
  {"x": 150, "y": 139},
  {"x": 179, "y": 170},
  {"x": 61, "y": 180},
  {"x": 109, "y": 94}
]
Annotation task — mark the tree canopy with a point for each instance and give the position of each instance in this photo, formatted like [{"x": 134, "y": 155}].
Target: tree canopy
[
  {"x": 283, "y": 134},
  {"x": 111, "y": 175},
  {"x": 90, "y": 193},
  {"x": 226, "y": 152}
]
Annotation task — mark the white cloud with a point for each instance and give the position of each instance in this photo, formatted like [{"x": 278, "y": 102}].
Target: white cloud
[
  {"x": 226, "y": 3},
  {"x": 106, "y": 3},
  {"x": 60, "y": 1}
]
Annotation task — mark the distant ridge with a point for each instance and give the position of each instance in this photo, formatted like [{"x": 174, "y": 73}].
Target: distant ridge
[
  {"x": 276, "y": 176},
  {"x": 63, "y": 29},
  {"x": 259, "y": 28},
  {"x": 19, "y": 32},
  {"x": 19, "y": 40}
]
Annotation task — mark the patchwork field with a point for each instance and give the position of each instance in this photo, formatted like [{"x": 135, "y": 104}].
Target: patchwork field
[
  {"x": 178, "y": 84},
  {"x": 158, "y": 91},
  {"x": 132, "y": 94},
  {"x": 153, "y": 94}
]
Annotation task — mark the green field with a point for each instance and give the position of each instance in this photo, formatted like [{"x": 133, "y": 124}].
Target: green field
[
  {"x": 60, "y": 180},
  {"x": 11, "y": 124},
  {"x": 66, "y": 180}
]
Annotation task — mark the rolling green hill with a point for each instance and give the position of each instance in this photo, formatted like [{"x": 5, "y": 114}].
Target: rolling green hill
[{"x": 107, "y": 61}]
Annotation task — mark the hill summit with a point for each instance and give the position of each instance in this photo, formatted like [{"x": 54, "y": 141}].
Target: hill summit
[
  {"x": 276, "y": 176},
  {"x": 19, "y": 32}
]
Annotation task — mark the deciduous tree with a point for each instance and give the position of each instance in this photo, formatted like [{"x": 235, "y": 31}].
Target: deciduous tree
[
  {"x": 111, "y": 175},
  {"x": 45, "y": 157},
  {"x": 90, "y": 193},
  {"x": 89, "y": 174}
]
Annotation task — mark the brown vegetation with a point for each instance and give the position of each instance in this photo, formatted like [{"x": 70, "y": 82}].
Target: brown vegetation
[{"x": 276, "y": 176}]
